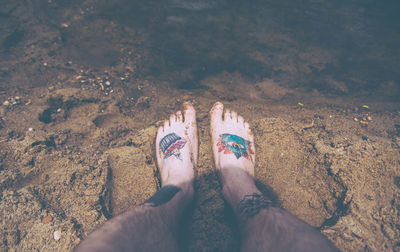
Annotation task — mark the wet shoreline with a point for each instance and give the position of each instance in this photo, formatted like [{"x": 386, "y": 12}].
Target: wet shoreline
[{"x": 318, "y": 82}]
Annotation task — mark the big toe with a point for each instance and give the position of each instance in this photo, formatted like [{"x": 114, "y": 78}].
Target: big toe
[
  {"x": 216, "y": 114},
  {"x": 189, "y": 112}
]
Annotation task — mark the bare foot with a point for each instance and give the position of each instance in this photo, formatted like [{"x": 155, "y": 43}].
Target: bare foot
[
  {"x": 177, "y": 147},
  {"x": 232, "y": 140}
]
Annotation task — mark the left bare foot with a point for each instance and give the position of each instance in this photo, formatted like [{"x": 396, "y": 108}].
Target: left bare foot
[{"x": 177, "y": 147}]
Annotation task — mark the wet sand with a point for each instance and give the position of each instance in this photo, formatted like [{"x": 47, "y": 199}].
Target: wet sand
[{"x": 87, "y": 89}]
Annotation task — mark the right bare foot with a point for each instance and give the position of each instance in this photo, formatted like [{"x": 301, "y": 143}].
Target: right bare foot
[{"x": 232, "y": 140}]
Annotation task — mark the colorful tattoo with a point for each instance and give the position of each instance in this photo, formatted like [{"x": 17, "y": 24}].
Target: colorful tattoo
[
  {"x": 252, "y": 204},
  {"x": 234, "y": 144},
  {"x": 165, "y": 194},
  {"x": 171, "y": 144}
]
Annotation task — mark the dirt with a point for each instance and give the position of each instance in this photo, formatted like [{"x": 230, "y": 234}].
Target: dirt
[{"x": 85, "y": 90}]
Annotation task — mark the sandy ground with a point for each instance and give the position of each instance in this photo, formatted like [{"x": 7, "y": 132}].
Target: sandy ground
[{"x": 85, "y": 93}]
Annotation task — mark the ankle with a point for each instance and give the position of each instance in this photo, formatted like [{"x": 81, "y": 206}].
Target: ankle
[
  {"x": 236, "y": 177},
  {"x": 179, "y": 175},
  {"x": 236, "y": 185}
]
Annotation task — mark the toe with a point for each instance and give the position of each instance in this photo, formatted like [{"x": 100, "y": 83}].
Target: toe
[
  {"x": 234, "y": 116},
  {"x": 227, "y": 116},
  {"x": 216, "y": 114},
  {"x": 240, "y": 120},
  {"x": 189, "y": 112},
  {"x": 179, "y": 117},
  {"x": 166, "y": 124},
  {"x": 172, "y": 119}
]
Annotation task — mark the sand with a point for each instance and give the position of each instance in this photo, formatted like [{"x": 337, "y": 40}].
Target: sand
[{"x": 77, "y": 137}]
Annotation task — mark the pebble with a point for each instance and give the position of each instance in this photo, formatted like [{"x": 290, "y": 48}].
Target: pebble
[
  {"x": 30, "y": 129},
  {"x": 57, "y": 235},
  {"x": 108, "y": 83},
  {"x": 48, "y": 218},
  {"x": 6, "y": 103},
  {"x": 15, "y": 101}
]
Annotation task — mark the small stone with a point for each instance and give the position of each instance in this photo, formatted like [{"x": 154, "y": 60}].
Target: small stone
[
  {"x": 30, "y": 129},
  {"x": 108, "y": 83},
  {"x": 48, "y": 218},
  {"x": 58, "y": 110},
  {"x": 17, "y": 97},
  {"x": 6, "y": 103},
  {"x": 143, "y": 101},
  {"x": 45, "y": 64},
  {"x": 57, "y": 235}
]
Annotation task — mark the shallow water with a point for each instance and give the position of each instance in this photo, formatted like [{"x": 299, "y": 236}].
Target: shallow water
[{"x": 308, "y": 44}]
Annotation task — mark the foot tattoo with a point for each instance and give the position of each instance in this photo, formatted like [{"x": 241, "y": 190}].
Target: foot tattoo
[
  {"x": 252, "y": 204},
  {"x": 171, "y": 144},
  {"x": 229, "y": 143}
]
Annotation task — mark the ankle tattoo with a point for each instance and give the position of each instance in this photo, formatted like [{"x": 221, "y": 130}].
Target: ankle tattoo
[
  {"x": 252, "y": 204},
  {"x": 165, "y": 194}
]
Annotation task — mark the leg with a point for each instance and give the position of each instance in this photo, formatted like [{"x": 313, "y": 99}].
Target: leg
[
  {"x": 263, "y": 226},
  {"x": 153, "y": 226}
]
